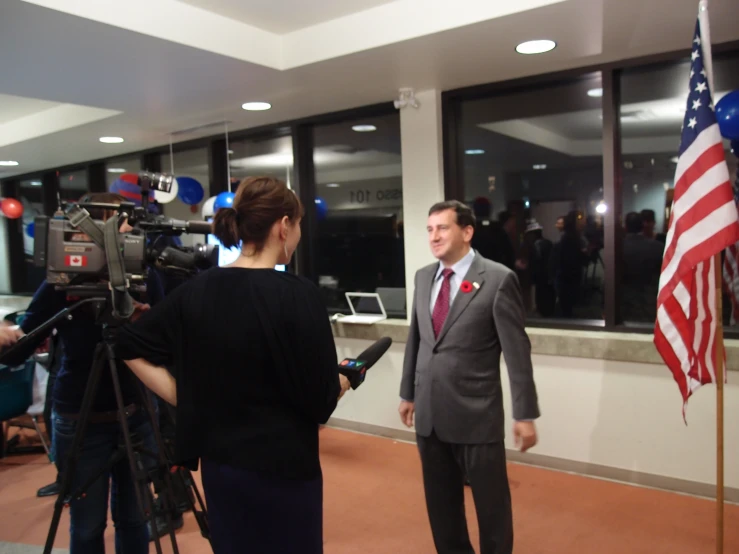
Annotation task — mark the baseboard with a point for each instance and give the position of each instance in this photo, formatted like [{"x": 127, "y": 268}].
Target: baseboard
[{"x": 682, "y": 486}]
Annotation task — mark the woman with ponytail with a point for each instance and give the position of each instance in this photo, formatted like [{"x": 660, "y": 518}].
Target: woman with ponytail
[{"x": 255, "y": 374}]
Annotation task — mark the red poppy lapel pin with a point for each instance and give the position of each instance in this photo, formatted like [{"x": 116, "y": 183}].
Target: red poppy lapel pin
[{"x": 466, "y": 286}]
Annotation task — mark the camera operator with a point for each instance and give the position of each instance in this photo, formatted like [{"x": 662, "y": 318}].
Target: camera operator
[
  {"x": 255, "y": 373},
  {"x": 79, "y": 336}
]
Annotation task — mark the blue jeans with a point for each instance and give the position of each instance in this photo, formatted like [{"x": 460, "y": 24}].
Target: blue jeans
[{"x": 88, "y": 515}]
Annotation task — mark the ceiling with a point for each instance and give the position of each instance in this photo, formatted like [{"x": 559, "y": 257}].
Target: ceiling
[
  {"x": 155, "y": 70},
  {"x": 283, "y": 17}
]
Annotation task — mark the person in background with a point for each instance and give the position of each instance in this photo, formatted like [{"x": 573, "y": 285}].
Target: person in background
[
  {"x": 254, "y": 374},
  {"x": 55, "y": 363},
  {"x": 649, "y": 221},
  {"x": 466, "y": 311},
  {"x": 490, "y": 240}
]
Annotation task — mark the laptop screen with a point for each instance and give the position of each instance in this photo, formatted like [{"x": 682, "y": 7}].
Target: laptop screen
[{"x": 365, "y": 305}]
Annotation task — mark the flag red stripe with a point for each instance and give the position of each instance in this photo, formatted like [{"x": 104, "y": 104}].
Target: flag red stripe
[
  {"x": 672, "y": 362},
  {"x": 712, "y": 156},
  {"x": 718, "y": 197},
  {"x": 691, "y": 258}
]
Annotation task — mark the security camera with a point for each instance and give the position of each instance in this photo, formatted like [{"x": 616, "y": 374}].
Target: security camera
[{"x": 407, "y": 98}]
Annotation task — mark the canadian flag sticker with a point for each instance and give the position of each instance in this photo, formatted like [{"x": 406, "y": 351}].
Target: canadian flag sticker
[{"x": 75, "y": 261}]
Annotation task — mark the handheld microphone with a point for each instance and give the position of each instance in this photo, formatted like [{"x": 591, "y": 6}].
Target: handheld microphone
[{"x": 355, "y": 369}]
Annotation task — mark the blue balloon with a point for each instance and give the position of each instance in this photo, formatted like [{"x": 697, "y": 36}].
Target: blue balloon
[
  {"x": 224, "y": 200},
  {"x": 189, "y": 190},
  {"x": 321, "y": 208},
  {"x": 30, "y": 229},
  {"x": 727, "y": 115}
]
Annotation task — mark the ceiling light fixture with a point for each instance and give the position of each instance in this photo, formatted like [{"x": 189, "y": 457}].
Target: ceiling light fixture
[
  {"x": 332, "y": 185},
  {"x": 595, "y": 92},
  {"x": 256, "y": 106},
  {"x": 36, "y": 183},
  {"x": 536, "y": 46},
  {"x": 601, "y": 208},
  {"x": 540, "y": 166},
  {"x": 116, "y": 170},
  {"x": 364, "y": 128},
  {"x": 9, "y": 163},
  {"x": 111, "y": 140},
  {"x": 474, "y": 152}
]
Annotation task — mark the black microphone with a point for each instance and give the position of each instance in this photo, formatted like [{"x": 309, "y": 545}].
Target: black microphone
[{"x": 355, "y": 369}]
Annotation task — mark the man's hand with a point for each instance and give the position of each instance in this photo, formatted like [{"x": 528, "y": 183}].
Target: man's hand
[
  {"x": 9, "y": 336},
  {"x": 524, "y": 433},
  {"x": 345, "y": 385},
  {"x": 406, "y": 411}
]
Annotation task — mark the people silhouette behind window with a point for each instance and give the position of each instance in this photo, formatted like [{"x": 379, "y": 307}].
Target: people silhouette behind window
[
  {"x": 640, "y": 269},
  {"x": 490, "y": 238}
]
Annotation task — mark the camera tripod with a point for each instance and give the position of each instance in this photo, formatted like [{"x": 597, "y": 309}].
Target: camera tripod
[{"x": 158, "y": 471}]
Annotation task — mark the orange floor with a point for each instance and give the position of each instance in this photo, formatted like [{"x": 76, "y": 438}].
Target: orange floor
[{"x": 374, "y": 505}]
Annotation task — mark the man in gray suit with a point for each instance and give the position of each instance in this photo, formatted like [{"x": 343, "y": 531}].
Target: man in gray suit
[{"x": 466, "y": 310}]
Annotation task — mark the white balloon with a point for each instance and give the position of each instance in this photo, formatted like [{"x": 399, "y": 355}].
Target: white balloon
[
  {"x": 167, "y": 197},
  {"x": 208, "y": 210}
]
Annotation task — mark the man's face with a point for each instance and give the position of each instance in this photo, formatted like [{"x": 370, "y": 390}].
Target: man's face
[{"x": 447, "y": 239}]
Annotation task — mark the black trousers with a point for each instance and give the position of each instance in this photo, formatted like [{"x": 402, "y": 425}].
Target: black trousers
[
  {"x": 251, "y": 513},
  {"x": 445, "y": 466}
]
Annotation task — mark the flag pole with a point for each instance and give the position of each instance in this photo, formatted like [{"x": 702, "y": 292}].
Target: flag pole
[
  {"x": 708, "y": 66},
  {"x": 719, "y": 410}
]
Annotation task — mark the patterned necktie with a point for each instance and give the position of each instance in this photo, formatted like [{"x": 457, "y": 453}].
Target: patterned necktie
[{"x": 441, "y": 308}]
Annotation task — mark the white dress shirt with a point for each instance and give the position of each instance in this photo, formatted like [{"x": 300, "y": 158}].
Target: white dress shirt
[{"x": 460, "y": 269}]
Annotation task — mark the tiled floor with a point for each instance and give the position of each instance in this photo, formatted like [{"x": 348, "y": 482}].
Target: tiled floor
[{"x": 374, "y": 504}]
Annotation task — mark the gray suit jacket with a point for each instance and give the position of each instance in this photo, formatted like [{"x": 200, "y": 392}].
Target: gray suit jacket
[{"x": 455, "y": 380}]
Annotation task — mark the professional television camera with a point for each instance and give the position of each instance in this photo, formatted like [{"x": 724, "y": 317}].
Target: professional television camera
[
  {"x": 98, "y": 267},
  {"x": 88, "y": 255}
]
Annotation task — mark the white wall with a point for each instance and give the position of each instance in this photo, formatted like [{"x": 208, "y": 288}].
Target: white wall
[{"x": 614, "y": 414}]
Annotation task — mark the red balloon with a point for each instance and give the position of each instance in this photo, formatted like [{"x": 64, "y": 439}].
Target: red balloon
[{"x": 11, "y": 208}]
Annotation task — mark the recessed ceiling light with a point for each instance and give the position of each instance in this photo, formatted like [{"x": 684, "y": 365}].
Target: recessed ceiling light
[
  {"x": 116, "y": 170},
  {"x": 9, "y": 163},
  {"x": 535, "y": 46},
  {"x": 595, "y": 92},
  {"x": 256, "y": 106},
  {"x": 540, "y": 166},
  {"x": 474, "y": 152},
  {"x": 35, "y": 183},
  {"x": 332, "y": 185},
  {"x": 111, "y": 140},
  {"x": 364, "y": 128}
]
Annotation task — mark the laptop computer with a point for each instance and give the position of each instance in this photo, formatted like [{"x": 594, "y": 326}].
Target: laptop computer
[{"x": 366, "y": 308}]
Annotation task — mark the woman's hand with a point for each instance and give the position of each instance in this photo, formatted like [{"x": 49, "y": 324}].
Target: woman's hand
[
  {"x": 138, "y": 309},
  {"x": 345, "y": 385}
]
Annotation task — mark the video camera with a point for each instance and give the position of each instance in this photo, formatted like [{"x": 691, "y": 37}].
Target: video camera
[{"x": 90, "y": 256}]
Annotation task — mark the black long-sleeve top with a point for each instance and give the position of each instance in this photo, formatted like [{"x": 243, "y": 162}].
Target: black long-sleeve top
[{"x": 256, "y": 368}]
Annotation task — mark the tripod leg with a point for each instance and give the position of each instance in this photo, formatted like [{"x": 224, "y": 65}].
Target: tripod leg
[
  {"x": 138, "y": 473},
  {"x": 163, "y": 482},
  {"x": 74, "y": 451}
]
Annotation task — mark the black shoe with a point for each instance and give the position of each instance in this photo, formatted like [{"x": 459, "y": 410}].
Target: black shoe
[
  {"x": 49, "y": 490},
  {"x": 161, "y": 523}
]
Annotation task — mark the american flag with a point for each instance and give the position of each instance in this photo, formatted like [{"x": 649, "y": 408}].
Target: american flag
[{"x": 703, "y": 222}]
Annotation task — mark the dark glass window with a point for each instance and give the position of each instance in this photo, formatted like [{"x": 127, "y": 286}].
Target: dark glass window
[
  {"x": 359, "y": 202},
  {"x": 532, "y": 169}
]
